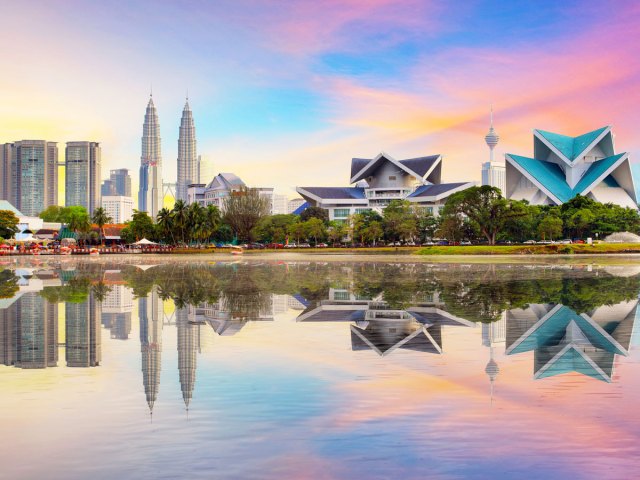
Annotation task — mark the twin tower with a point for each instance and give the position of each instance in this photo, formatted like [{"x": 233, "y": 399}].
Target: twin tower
[{"x": 150, "y": 195}]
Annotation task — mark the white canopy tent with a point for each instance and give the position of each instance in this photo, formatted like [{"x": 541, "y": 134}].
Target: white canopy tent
[{"x": 144, "y": 241}]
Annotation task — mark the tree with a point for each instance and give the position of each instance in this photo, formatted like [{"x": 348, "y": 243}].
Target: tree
[
  {"x": 580, "y": 221},
  {"x": 315, "y": 212},
  {"x": 486, "y": 208},
  {"x": 336, "y": 231},
  {"x": 141, "y": 226},
  {"x": 296, "y": 230},
  {"x": 53, "y": 213},
  {"x": 550, "y": 226},
  {"x": 213, "y": 219},
  {"x": 8, "y": 224},
  {"x": 165, "y": 224},
  {"x": 101, "y": 218},
  {"x": 274, "y": 227},
  {"x": 373, "y": 232},
  {"x": 398, "y": 220},
  {"x": 180, "y": 218},
  {"x": 243, "y": 210},
  {"x": 78, "y": 221},
  {"x": 315, "y": 227}
]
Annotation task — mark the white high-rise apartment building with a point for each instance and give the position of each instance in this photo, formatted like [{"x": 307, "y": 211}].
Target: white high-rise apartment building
[
  {"x": 188, "y": 169},
  {"x": 119, "y": 208},
  {"x": 150, "y": 198},
  {"x": 280, "y": 204},
  {"x": 83, "y": 175},
  {"x": 493, "y": 172},
  {"x": 294, "y": 204},
  {"x": 267, "y": 194}
]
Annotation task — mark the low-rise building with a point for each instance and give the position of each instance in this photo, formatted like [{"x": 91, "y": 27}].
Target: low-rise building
[{"x": 382, "y": 179}]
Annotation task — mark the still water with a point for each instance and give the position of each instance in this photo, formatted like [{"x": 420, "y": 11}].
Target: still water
[{"x": 319, "y": 370}]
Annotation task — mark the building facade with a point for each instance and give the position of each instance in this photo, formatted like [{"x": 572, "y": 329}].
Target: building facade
[
  {"x": 150, "y": 197},
  {"x": 382, "y": 179},
  {"x": 29, "y": 175},
  {"x": 294, "y": 204},
  {"x": 280, "y": 204},
  {"x": 563, "y": 167},
  {"x": 188, "y": 171},
  {"x": 119, "y": 208},
  {"x": 83, "y": 175}
]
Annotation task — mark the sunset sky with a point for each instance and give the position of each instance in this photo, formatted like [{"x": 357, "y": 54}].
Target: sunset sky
[{"x": 285, "y": 93}]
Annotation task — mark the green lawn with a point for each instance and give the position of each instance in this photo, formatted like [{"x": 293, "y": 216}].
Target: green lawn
[{"x": 532, "y": 249}]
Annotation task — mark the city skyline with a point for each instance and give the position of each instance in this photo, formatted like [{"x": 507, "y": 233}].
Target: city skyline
[{"x": 315, "y": 85}]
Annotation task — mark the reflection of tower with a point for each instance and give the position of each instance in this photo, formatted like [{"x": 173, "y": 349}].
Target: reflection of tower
[
  {"x": 187, "y": 349},
  {"x": 493, "y": 334},
  {"x": 150, "y": 313},
  {"x": 83, "y": 343},
  {"x": 116, "y": 311},
  {"x": 34, "y": 322}
]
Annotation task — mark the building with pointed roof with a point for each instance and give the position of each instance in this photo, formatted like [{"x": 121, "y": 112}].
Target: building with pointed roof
[
  {"x": 188, "y": 170},
  {"x": 150, "y": 197},
  {"x": 563, "y": 167},
  {"x": 564, "y": 341},
  {"x": 382, "y": 179}
]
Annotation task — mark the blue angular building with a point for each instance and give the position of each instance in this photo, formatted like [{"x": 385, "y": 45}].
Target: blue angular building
[
  {"x": 380, "y": 180},
  {"x": 563, "y": 167}
]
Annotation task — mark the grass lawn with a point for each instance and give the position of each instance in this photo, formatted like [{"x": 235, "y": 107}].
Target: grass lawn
[{"x": 532, "y": 249}]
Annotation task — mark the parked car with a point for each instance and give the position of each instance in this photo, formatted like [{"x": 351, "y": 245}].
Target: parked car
[
  {"x": 304, "y": 245},
  {"x": 465, "y": 242},
  {"x": 256, "y": 246},
  {"x": 322, "y": 245},
  {"x": 428, "y": 244},
  {"x": 410, "y": 244},
  {"x": 529, "y": 242},
  {"x": 275, "y": 245},
  {"x": 443, "y": 242},
  {"x": 291, "y": 245},
  {"x": 565, "y": 241}
]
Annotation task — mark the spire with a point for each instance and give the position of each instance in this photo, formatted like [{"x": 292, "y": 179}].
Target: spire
[
  {"x": 492, "y": 137},
  {"x": 492, "y": 371}
]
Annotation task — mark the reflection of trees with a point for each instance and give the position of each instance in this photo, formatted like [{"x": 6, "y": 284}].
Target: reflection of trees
[
  {"x": 474, "y": 292},
  {"x": 8, "y": 284}
]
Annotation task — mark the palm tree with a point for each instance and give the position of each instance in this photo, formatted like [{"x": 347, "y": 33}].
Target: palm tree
[
  {"x": 165, "y": 221},
  {"x": 180, "y": 217},
  {"x": 213, "y": 219},
  {"x": 101, "y": 218},
  {"x": 79, "y": 222},
  {"x": 195, "y": 221}
]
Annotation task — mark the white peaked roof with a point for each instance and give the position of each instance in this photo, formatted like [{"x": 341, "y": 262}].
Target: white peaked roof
[{"x": 144, "y": 241}]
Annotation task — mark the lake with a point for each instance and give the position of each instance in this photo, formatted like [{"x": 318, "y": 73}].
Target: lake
[{"x": 314, "y": 369}]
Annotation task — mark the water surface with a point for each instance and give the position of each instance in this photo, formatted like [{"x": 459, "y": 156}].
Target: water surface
[{"x": 311, "y": 369}]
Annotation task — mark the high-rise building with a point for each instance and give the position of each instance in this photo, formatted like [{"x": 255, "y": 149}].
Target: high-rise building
[
  {"x": 493, "y": 172},
  {"x": 108, "y": 189},
  {"x": 83, "y": 175},
  {"x": 187, "y": 350},
  {"x": 267, "y": 194},
  {"x": 119, "y": 208},
  {"x": 150, "y": 314},
  {"x": 280, "y": 204},
  {"x": 122, "y": 181},
  {"x": 188, "y": 171},
  {"x": 150, "y": 194},
  {"x": 29, "y": 175}
]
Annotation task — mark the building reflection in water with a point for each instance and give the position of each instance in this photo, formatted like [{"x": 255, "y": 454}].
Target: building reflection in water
[
  {"x": 188, "y": 346},
  {"x": 564, "y": 341},
  {"x": 377, "y": 326},
  {"x": 150, "y": 311},
  {"x": 117, "y": 308},
  {"x": 83, "y": 346}
]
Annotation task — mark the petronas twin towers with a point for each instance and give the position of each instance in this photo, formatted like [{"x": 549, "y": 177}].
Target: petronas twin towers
[{"x": 150, "y": 195}]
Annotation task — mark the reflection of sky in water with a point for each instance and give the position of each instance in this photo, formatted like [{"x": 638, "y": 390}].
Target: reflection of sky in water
[{"x": 282, "y": 398}]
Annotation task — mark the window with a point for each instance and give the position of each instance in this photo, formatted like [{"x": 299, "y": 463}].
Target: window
[
  {"x": 341, "y": 295},
  {"x": 392, "y": 177},
  {"x": 341, "y": 213},
  {"x": 362, "y": 210}
]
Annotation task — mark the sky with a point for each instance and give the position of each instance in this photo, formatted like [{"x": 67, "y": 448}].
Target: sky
[{"x": 285, "y": 93}]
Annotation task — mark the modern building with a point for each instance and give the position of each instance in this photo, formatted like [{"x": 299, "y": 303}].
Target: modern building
[
  {"x": 188, "y": 171},
  {"x": 493, "y": 172},
  {"x": 563, "y": 167},
  {"x": 83, "y": 175},
  {"x": 294, "y": 204},
  {"x": 280, "y": 204},
  {"x": 267, "y": 194},
  {"x": 29, "y": 175},
  {"x": 119, "y": 183},
  {"x": 150, "y": 197},
  {"x": 119, "y": 208},
  {"x": 382, "y": 179}
]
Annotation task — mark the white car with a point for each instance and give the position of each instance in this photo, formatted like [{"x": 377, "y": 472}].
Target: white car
[
  {"x": 530, "y": 242},
  {"x": 291, "y": 245}
]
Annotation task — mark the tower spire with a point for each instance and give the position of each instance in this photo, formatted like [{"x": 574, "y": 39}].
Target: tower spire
[{"x": 492, "y": 137}]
